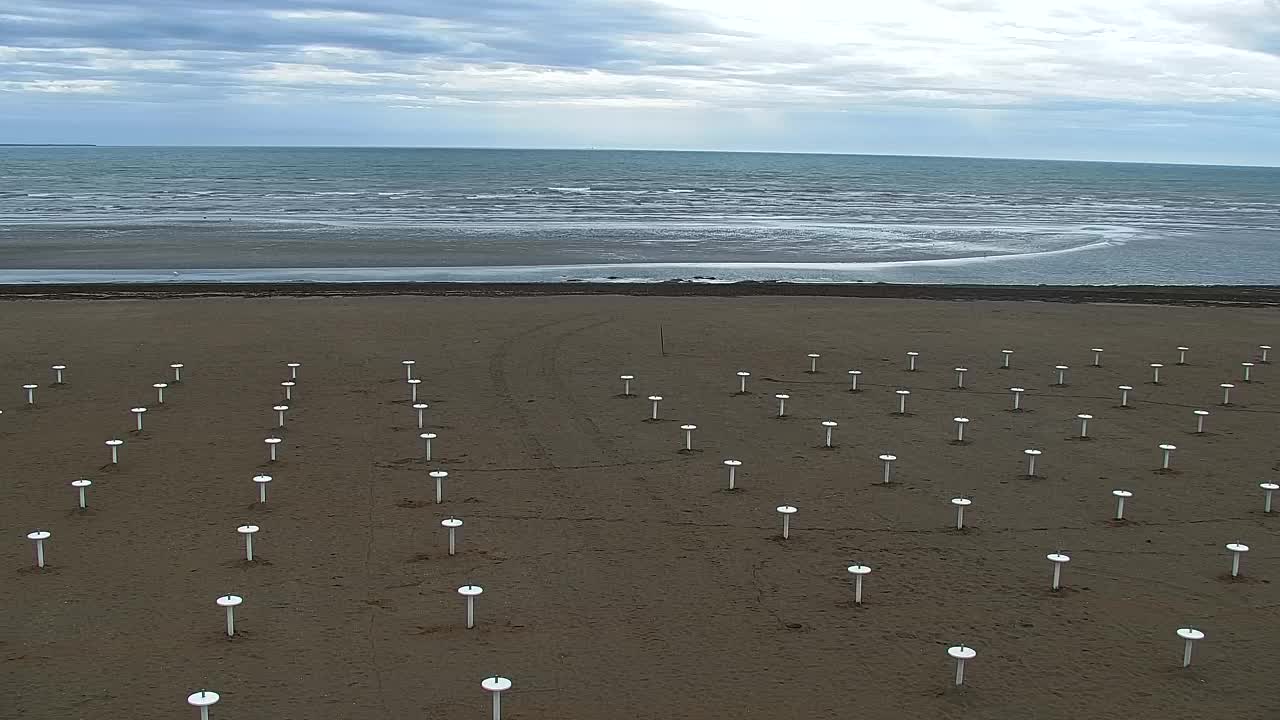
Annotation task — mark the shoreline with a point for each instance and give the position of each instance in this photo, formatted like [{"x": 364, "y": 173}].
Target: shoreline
[{"x": 1229, "y": 295}]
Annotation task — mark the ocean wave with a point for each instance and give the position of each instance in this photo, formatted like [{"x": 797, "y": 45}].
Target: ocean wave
[
  {"x": 594, "y": 272},
  {"x": 433, "y": 208},
  {"x": 733, "y": 232}
]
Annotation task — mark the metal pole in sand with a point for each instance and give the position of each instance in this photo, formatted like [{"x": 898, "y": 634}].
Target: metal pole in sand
[
  {"x": 1017, "y": 398},
  {"x": 114, "y": 444},
  {"x": 496, "y": 686},
  {"x": 1190, "y": 637},
  {"x": 1267, "y": 489},
  {"x": 1062, "y": 374},
  {"x": 960, "y": 503},
  {"x": 203, "y": 699},
  {"x": 887, "y": 459},
  {"x": 1237, "y": 549},
  {"x": 830, "y": 425},
  {"x": 230, "y": 602},
  {"x": 1032, "y": 454},
  {"x": 38, "y": 537},
  {"x": 439, "y": 476},
  {"x": 688, "y": 436},
  {"x": 902, "y": 400},
  {"x": 262, "y": 481},
  {"x": 452, "y": 524},
  {"x": 1058, "y": 560},
  {"x": 961, "y": 654},
  {"x": 470, "y": 592},
  {"x": 733, "y": 465},
  {"x": 80, "y": 486},
  {"x": 858, "y": 571},
  {"x": 786, "y": 511},
  {"x": 1121, "y": 496},
  {"x": 1084, "y": 419},
  {"x": 247, "y": 531}
]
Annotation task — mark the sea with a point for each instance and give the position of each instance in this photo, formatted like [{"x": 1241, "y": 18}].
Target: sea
[{"x": 197, "y": 214}]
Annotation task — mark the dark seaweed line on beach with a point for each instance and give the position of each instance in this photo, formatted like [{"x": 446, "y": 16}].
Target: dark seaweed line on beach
[{"x": 1234, "y": 295}]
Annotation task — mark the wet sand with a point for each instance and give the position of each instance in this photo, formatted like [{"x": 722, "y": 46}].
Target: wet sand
[
  {"x": 621, "y": 579},
  {"x": 1228, "y": 295}
]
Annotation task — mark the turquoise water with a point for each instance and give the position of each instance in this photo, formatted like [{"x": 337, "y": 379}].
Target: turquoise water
[{"x": 69, "y": 214}]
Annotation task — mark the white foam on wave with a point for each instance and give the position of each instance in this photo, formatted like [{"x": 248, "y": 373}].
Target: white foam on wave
[
  {"x": 822, "y": 266},
  {"x": 595, "y": 272}
]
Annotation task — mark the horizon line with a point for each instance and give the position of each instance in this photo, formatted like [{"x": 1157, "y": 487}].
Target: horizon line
[{"x": 831, "y": 153}]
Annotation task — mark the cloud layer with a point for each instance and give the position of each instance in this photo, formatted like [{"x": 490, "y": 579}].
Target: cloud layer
[{"x": 760, "y": 67}]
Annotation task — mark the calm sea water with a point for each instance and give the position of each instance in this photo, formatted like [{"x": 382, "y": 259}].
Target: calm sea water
[{"x": 70, "y": 214}]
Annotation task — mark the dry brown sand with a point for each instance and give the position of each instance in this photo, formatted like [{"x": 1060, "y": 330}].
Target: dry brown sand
[{"x": 621, "y": 580}]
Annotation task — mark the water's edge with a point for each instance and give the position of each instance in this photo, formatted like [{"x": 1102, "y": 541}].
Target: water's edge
[{"x": 1224, "y": 295}]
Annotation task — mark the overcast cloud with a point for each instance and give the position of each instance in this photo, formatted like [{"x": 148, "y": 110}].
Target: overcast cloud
[{"x": 1181, "y": 80}]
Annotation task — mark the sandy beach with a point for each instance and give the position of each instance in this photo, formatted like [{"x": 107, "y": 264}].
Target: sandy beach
[{"x": 621, "y": 579}]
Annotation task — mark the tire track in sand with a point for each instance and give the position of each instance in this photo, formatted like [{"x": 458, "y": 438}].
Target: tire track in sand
[{"x": 540, "y": 358}]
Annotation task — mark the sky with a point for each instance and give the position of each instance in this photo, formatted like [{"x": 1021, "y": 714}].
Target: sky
[{"x": 1193, "y": 81}]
